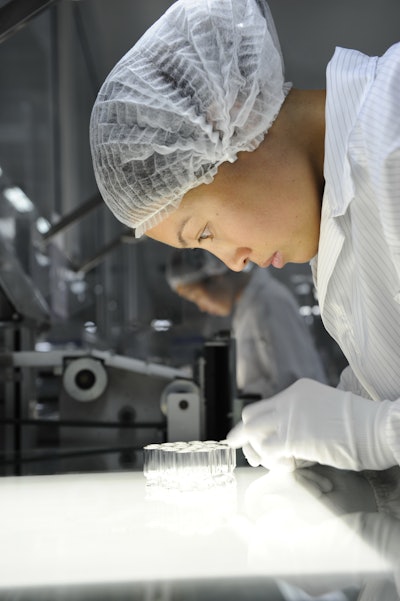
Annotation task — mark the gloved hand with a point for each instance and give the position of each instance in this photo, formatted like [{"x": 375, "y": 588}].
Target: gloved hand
[{"x": 310, "y": 422}]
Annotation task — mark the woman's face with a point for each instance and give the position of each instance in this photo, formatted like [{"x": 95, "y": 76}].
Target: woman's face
[{"x": 263, "y": 208}]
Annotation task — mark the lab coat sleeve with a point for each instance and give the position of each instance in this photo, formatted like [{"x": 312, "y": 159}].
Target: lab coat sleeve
[
  {"x": 393, "y": 430},
  {"x": 387, "y": 170},
  {"x": 349, "y": 382},
  {"x": 382, "y": 144}
]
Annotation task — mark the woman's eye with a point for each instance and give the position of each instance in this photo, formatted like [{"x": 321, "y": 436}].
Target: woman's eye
[{"x": 204, "y": 234}]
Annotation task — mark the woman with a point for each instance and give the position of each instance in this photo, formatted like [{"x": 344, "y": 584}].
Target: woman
[{"x": 198, "y": 141}]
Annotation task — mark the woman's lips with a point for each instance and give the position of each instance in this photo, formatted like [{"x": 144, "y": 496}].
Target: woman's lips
[{"x": 276, "y": 261}]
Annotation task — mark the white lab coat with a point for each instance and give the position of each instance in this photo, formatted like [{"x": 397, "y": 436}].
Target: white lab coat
[
  {"x": 357, "y": 270},
  {"x": 274, "y": 346}
]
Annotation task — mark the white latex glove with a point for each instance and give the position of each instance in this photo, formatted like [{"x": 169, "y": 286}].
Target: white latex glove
[{"x": 310, "y": 422}]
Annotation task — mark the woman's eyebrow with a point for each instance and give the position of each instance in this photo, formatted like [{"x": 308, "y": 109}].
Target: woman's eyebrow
[{"x": 180, "y": 237}]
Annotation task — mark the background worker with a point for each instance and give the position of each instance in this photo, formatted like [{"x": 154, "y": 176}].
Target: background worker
[{"x": 274, "y": 346}]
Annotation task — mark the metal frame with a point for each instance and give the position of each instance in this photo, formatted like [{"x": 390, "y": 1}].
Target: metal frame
[{"x": 16, "y": 13}]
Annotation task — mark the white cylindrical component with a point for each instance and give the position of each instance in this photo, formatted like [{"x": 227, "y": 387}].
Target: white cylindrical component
[{"x": 85, "y": 379}]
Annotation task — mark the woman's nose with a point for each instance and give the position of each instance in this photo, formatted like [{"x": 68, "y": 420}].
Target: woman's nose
[{"x": 238, "y": 260}]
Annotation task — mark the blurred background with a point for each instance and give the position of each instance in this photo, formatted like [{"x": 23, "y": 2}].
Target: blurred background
[{"x": 74, "y": 284}]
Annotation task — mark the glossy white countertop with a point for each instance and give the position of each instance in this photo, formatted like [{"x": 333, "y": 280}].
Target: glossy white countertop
[{"x": 110, "y": 528}]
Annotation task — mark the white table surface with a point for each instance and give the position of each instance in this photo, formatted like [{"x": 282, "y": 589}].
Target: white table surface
[{"x": 110, "y": 528}]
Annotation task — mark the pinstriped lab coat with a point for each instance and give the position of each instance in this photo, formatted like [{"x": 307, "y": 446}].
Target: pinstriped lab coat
[{"x": 357, "y": 269}]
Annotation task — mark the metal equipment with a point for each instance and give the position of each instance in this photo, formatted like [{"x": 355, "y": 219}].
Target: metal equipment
[{"x": 105, "y": 407}]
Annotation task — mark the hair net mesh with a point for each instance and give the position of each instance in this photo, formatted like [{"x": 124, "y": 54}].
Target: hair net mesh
[
  {"x": 202, "y": 84},
  {"x": 189, "y": 266}
]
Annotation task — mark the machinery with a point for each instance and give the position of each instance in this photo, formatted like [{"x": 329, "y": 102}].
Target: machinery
[
  {"x": 95, "y": 411},
  {"x": 85, "y": 379}
]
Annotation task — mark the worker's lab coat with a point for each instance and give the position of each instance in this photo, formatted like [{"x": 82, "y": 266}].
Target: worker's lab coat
[
  {"x": 274, "y": 346},
  {"x": 357, "y": 270}
]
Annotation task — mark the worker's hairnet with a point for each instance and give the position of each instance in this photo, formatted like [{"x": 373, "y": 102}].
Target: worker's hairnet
[
  {"x": 202, "y": 84},
  {"x": 190, "y": 266}
]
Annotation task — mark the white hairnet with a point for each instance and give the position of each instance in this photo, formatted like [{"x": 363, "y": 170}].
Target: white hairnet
[
  {"x": 189, "y": 266},
  {"x": 202, "y": 84}
]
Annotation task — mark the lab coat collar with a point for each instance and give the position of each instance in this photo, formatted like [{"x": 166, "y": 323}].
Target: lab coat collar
[
  {"x": 349, "y": 75},
  {"x": 330, "y": 244}
]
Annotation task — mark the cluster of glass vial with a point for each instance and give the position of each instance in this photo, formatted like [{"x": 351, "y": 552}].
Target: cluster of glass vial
[{"x": 193, "y": 465}]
